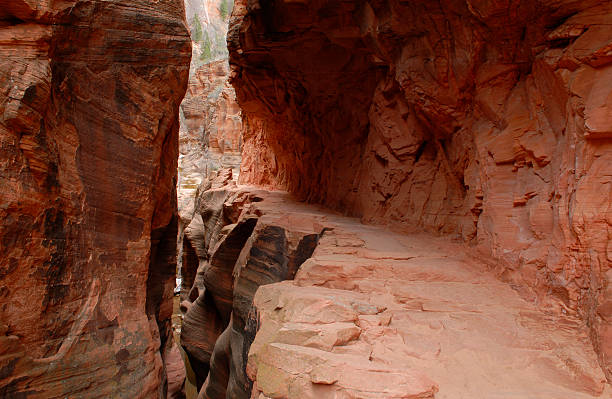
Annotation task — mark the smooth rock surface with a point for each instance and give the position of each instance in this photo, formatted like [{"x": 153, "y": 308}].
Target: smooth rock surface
[
  {"x": 89, "y": 104},
  {"x": 375, "y": 314}
]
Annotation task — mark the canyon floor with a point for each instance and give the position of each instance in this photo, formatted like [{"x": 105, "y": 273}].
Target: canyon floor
[{"x": 379, "y": 314}]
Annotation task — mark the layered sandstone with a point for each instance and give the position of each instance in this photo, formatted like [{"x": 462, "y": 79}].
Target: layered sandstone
[
  {"x": 211, "y": 123},
  {"x": 485, "y": 120},
  {"x": 89, "y": 104},
  {"x": 371, "y": 313},
  {"x": 235, "y": 250},
  {"x": 209, "y": 137}
]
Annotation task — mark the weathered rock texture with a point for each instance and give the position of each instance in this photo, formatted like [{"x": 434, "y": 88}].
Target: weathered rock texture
[
  {"x": 89, "y": 102},
  {"x": 488, "y": 120},
  {"x": 211, "y": 123},
  {"x": 210, "y": 133},
  {"x": 237, "y": 248},
  {"x": 370, "y": 314}
]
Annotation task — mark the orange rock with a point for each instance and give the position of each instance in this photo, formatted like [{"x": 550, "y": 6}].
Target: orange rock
[
  {"x": 210, "y": 138},
  {"x": 89, "y": 97},
  {"x": 378, "y": 314},
  {"x": 485, "y": 120}
]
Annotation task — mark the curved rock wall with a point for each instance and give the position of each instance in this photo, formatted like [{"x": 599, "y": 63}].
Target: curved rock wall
[
  {"x": 89, "y": 102},
  {"x": 487, "y": 120},
  {"x": 248, "y": 238}
]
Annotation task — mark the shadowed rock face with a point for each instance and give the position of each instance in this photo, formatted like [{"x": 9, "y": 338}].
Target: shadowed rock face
[
  {"x": 487, "y": 120},
  {"x": 241, "y": 246},
  {"x": 89, "y": 97}
]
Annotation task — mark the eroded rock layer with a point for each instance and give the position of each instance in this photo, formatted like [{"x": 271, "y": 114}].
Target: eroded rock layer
[
  {"x": 371, "y": 313},
  {"x": 210, "y": 134},
  {"x": 210, "y": 119},
  {"x": 237, "y": 248},
  {"x": 89, "y": 100},
  {"x": 487, "y": 120}
]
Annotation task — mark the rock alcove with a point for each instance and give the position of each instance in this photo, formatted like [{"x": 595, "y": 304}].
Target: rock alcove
[{"x": 472, "y": 139}]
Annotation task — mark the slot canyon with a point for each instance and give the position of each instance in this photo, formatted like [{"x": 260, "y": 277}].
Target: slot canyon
[{"x": 293, "y": 199}]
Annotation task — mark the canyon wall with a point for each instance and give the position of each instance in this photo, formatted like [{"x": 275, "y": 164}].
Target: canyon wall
[
  {"x": 207, "y": 21},
  {"x": 209, "y": 141},
  {"x": 235, "y": 243},
  {"x": 209, "y": 135},
  {"x": 210, "y": 119},
  {"x": 486, "y": 120},
  {"x": 89, "y": 105}
]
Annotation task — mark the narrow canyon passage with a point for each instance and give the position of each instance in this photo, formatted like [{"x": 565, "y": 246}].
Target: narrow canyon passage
[
  {"x": 371, "y": 313},
  {"x": 306, "y": 199}
]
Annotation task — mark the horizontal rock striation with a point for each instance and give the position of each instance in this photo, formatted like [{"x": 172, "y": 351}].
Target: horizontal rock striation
[
  {"x": 370, "y": 314},
  {"x": 89, "y": 102},
  {"x": 486, "y": 120}
]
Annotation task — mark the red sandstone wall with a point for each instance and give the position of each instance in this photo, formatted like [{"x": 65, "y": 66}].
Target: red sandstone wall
[
  {"x": 489, "y": 120},
  {"x": 210, "y": 132},
  {"x": 89, "y": 97}
]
